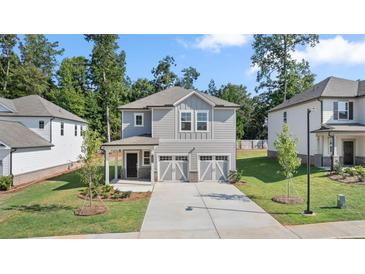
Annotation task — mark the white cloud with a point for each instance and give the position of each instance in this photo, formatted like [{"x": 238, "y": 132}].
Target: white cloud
[
  {"x": 337, "y": 51},
  {"x": 215, "y": 42},
  {"x": 252, "y": 70}
]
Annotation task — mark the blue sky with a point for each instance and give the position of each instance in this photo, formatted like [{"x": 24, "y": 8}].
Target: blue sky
[{"x": 224, "y": 58}]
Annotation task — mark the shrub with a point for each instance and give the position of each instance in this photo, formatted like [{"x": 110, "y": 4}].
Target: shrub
[
  {"x": 350, "y": 171},
  {"x": 6, "y": 182},
  {"x": 360, "y": 170},
  {"x": 338, "y": 168},
  {"x": 121, "y": 195},
  {"x": 106, "y": 189}
]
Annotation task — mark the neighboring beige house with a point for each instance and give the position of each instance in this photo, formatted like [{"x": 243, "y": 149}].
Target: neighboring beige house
[
  {"x": 337, "y": 122},
  {"x": 175, "y": 135},
  {"x": 38, "y": 139}
]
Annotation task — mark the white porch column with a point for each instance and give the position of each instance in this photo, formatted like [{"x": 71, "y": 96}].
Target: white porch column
[
  {"x": 106, "y": 166},
  {"x": 153, "y": 165},
  {"x": 116, "y": 166}
]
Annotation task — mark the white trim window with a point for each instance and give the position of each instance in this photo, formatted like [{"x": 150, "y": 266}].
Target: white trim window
[
  {"x": 41, "y": 124},
  {"x": 138, "y": 119},
  {"x": 201, "y": 122},
  {"x": 186, "y": 120},
  {"x": 343, "y": 110},
  {"x": 146, "y": 158}
]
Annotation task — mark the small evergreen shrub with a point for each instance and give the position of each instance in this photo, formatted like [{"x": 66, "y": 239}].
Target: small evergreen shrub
[
  {"x": 6, "y": 182},
  {"x": 360, "y": 170},
  {"x": 338, "y": 168},
  {"x": 350, "y": 171}
]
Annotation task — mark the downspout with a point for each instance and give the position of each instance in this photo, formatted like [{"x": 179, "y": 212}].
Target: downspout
[
  {"x": 103, "y": 150},
  {"x": 50, "y": 129},
  {"x": 11, "y": 161}
]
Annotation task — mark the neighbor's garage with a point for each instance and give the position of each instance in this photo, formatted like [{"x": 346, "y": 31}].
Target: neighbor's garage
[
  {"x": 173, "y": 168},
  {"x": 213, "y": 167}
]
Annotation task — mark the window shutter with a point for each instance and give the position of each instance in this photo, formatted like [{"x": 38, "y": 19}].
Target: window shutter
[
  {"x": 335, "y": 110},
  {"x": 351, "y": 110}
]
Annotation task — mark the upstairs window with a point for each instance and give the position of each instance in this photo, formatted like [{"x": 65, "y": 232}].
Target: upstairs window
[
  {"x": 201, "y": 121},
  {"x": 81, "y": 130},
  {"x": 343, "y": 110},
  {"x": 41, "y": 125},
  {"x": 75, "y": 130},
  {"x": 285, "y": 117},
  {"x": 138, "y": 119},
  {"x": 185, "y": 120},
  {"x": 62, "y": 129}
]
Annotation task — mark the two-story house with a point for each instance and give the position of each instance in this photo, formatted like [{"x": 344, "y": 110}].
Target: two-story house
[
  {"x": 337, "y": 122},
  {"x": 175, "y": 135},
  {"x": 38, "y": 139}
]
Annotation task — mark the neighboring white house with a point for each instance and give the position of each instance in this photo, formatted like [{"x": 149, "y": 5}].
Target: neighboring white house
[
  {"x": 176, "y": 135},
  {"x": 337, "y": 122},
  {"x": 38, "y": 139}
]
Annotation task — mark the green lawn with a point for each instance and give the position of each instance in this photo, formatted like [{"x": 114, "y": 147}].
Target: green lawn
[
  {"x": 46, "y": 209},
  {"x": 264, "y": 182}
]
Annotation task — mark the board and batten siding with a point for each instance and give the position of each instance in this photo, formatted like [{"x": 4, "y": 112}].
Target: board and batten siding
[
  {"x": 163, "y": 123},
  {"x": 128, "y": 128},
  {"x": 193, "y": 148},
  {"x": 194, "y": 103},
  {"x": 297, "y": 121},
  {"x": 66, "y": 149},
  {"x": 5, "y": 158}
]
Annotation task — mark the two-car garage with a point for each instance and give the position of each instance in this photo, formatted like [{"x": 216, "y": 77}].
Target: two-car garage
[{"x": 209, "y": 167}]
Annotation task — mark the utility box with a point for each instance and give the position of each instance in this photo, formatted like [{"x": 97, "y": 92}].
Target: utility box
[{"x": 341, "y": 201}]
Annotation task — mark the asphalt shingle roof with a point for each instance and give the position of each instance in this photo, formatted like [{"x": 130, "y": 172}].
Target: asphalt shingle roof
[
  {"x": 329, "y": 87},
  {"x": 15, "y": 135},
  {"x": 355, "y": 127},
  {"x": 170, "y": 96},
  {"x": 134, "y": 141},
  {"x": 34, "y": 105}
]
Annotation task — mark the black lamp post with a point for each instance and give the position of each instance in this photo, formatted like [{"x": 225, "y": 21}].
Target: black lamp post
[{"x": 308, "y": 211}]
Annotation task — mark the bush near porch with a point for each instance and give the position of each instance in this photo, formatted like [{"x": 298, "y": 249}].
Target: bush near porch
[
  {"x": 46, "y": 209},
  {"x": 263, "y": 182}
]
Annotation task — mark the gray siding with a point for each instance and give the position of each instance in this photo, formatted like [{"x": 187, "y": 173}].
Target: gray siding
[
  {"x": 5, "y": 158},
  {"x": 224, "y": 124},
  {"x": 128, "y": 127},
  {"x": 194, "y": 103},
  {"x": 163, "y": 123},
  {"x": 193, "y": 148}
]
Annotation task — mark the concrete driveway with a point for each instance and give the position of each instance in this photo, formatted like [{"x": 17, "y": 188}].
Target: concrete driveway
[{"x": 207, "y": 210}]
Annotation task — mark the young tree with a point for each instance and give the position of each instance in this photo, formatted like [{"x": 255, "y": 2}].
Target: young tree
[
  {"x": 107, "y": 71},
  {"x": 8, "y": 59},
  {"x": 90, "y": 173},
  {"x": 164, "y": 77},
  {"x": 190, "y": 75},
  {"x": 278, "y": 71},
  {"x": 288, "y": 159}
]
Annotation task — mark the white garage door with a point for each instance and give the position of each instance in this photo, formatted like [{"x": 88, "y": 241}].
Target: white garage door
[
  {"x": 173, "y": 168},
  {"x": 213, "y": 167}
]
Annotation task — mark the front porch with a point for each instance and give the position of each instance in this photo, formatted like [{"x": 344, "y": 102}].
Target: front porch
[
  {"x": 136, "y": 155},
  {"x": 344, "y": 144}
]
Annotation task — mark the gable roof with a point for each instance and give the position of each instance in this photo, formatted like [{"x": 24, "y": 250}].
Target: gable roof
[
  {"x": 329, "y": 87},
  {"x": 168, "y": 97},
  {"x": 15, "y": 135},
  {"x": 34, "y": 105}
]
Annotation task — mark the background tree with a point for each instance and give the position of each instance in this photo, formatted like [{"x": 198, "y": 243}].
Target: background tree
[
  {"x": 238, "y": 94},
  {"x": 141, "y": 88},
  {"x": 288, "y": 159},
  {"x": 190, "y": 75},
  {"x": 212, "y": 89},
  {"x": 164, "y": 77},
  {"x": 8, "y": 59},
  {"x": 107, "y": 73}
]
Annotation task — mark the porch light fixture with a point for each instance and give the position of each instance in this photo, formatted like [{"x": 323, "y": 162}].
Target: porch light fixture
[{"x": 308, "y": 211}]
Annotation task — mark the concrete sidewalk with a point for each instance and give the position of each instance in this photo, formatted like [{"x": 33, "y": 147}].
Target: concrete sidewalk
[
  {"x": 341, "y": 230},
  {"x": 207, "y": 210}
]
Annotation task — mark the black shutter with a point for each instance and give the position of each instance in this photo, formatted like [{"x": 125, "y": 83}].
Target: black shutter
[
  {"x": 335, "y": 110},
  {"x": 351, "y": 110}
]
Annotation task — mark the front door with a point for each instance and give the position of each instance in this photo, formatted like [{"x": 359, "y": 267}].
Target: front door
[
  {"x": 348, "y": 153},
  {"x": 132, "y": 165}
]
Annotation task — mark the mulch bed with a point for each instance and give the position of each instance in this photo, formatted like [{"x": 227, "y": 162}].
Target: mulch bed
[
  {"x": 289, "y": 200},
  {"x": 90, "y": 210},
  {"x": 133, "y": 197},
  {"x": 240, "y": 183},
  {"x": 346, "y": 179}
]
